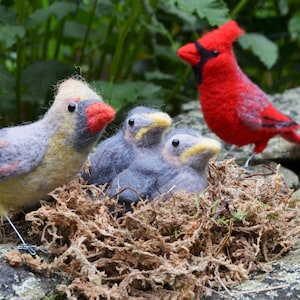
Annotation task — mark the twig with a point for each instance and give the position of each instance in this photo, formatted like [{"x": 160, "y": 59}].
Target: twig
[
  {"x": 222, "y": 283},
  {"x": 271, "y": 288},
  {"x": 273, "y": 172}
]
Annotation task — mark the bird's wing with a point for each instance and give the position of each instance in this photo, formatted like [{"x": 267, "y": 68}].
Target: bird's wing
[
  {"x": 128, "y": 185},
  {"x": 257, "y": 112},
  {"x": 112, "y": 156},
  {"x": 137, "y": 180},
  {"x": 19, "y": 153}
]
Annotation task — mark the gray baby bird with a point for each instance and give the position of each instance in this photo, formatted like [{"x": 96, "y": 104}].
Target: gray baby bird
[{"x": 140, "y": 135}]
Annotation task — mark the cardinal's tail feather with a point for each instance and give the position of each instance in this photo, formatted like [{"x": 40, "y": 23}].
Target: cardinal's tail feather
[{"x": 291, "y": 136}]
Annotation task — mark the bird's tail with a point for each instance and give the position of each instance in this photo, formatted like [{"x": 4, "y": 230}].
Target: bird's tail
[{"x": 292, "y": 137}]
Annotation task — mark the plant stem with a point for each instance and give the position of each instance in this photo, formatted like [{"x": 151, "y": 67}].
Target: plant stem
[
  {"x": 117, "y": 62},
  {"x": 100, "y": 66},
  {"x": 46, "y": 38},
  {"x": 179, "y": 84},
  {"x": 59, "y": 38},
  {"x": 87, "y": 32},
  {"x": 19, "y": 46},
  {"x": 238, "y": 8},
  {"x": 132, "y": 53}
]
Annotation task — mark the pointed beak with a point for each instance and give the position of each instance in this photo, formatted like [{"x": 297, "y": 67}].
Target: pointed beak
[
  {"x": 161, "y": 119},
  {"x": 189, "y": 53},
  {"x": 98, "y": 115},
  {"x": 157, "y": 120},
  {"x": 205, "y": 144}
]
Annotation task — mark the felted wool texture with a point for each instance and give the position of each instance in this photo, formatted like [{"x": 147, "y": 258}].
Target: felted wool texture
[
  {"x": 73, "y": 88},
  {"x": 151, "y": 176},
  {"x": 38, "y": 157},
  {"x": 191, "y": 173},
  {"x": 111, "y": 157},
  {"x": 139, "y": 136},
  {"x": 235, "y": 108},
  {"x": 149, "y": 127},
  {"x": 142, "y": 179},
  {"x": 92, "y": 117}
]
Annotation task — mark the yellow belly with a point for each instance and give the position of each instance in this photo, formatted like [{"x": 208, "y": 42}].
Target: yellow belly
[{"x": 60, "y": 164}]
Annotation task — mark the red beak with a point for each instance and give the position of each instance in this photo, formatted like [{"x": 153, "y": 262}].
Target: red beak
[
  {"x": 189, "y": 53},
  {"x": 98, "y": 115}
]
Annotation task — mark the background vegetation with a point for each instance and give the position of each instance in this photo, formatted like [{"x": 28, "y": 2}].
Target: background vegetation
[{"x": 127, "y": 49}]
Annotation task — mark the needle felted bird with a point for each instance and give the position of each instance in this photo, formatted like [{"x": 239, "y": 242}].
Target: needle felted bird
[
  {"x": 180, "y": 165},
  {"x": 235, "y": 109},
  {"x": 140, "y": 135},
  {"x": 38, "y": 157}
]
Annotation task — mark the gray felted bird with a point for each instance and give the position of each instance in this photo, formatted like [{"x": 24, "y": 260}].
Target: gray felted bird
[
  {"x": 140, "y": 135},
  {"x": 38, "y": 157},
  {"x": 181, "y": 165}
]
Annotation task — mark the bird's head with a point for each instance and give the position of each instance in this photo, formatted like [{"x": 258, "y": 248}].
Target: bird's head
[
  {"x": 80, "y": 113},
  {"x": 186, "y": 147},
  {"x": 212, "y": 49},
  {"x": 145, "y": 126}
]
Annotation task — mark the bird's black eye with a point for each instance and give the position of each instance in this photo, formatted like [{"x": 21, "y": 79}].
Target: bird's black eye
[
  {"x": 72, "y": 107},
  {"x": 131, "y": 122},
  {"x": 215, "y": 53},
  {"x": 175, "y": 143}
]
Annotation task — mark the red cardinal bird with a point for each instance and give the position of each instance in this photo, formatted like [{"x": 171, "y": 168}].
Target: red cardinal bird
[{"x": 235, "y": 109}]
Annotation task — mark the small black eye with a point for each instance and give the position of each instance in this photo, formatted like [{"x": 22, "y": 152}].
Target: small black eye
[
  {"x": 72, "y": 107},
  {"x": 215, "y": 53},
  {"x": 131, "y": 122},
  {"x": 175, "y": 143}
]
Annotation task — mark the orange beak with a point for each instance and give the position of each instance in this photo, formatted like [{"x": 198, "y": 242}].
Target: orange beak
[{"x": 98, "y": 115}]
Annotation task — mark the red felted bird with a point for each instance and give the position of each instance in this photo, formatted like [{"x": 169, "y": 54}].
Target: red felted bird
[{"x": 234, "y": 108}]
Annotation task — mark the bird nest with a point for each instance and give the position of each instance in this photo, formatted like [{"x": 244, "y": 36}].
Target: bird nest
[{"x": 181, "y": 248}]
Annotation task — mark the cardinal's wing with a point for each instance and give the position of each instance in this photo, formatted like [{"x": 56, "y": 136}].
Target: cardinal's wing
[{"x": 257, "y": 112}]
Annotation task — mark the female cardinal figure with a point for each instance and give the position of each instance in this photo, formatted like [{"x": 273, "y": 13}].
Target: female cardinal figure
[
  {"x": 38, "y": 157},
  {"x": 234, "y": 108}
]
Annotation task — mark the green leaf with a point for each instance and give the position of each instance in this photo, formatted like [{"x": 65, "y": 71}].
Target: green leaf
[
  {"x": 7, "y": 79},
  {"x": 73, "y": 29},
  {"x": 263, "y": 48},
  {"x": 158, "y": 27},
  {"x": 283, "y": 7},
  {"x": 58, "y": 9},
  {"x": 10, "y": 33},
  {"x": 7, "y": 15},
  {"x": 40, "y": 76},
  {"x": 294, "y": 25},
  {"x": 215, "y": 11},
  {"x": 7, "y": 93},
  {"x": 166, "y": 52},
  {"x": 168, "y": 7},
  {"x": 158, "y": 75},
  {"x": 123, "y": 93}
]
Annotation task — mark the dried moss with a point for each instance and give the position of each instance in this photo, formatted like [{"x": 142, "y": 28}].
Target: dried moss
[{"x": 181, "y": 248}]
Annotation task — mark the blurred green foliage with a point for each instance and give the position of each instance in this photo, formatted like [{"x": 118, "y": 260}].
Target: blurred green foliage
[{"x": 127, "y": 49}]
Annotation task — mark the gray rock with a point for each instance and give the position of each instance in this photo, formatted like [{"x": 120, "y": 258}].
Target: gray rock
[
  {"x": 20, "y": 283},
  {"x": 291, "y": 178},
  {"x": 283, "y": 282}
]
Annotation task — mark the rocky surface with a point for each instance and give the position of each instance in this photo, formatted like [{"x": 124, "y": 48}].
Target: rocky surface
[
  {"x": 18, "y": 283},
  {"x": 283, "y": 282}
]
